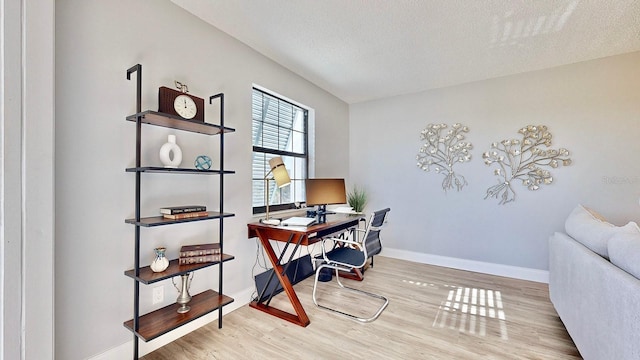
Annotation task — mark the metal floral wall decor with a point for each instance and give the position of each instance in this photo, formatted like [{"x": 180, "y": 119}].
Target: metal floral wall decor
[
  {"x": 523, "y": 160},
  {"x": 442, "y": 150}
]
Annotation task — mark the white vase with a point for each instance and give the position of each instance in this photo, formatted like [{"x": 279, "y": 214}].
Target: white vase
[
  {"x": 160, "y": 263},
  {"x": 167, "y": 150}
]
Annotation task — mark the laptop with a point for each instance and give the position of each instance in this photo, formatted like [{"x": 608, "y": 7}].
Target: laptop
[{"x": 298, "y": 221}]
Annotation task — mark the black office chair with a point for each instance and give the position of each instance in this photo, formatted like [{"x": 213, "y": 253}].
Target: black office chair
[{"x": 352, "y": 253}]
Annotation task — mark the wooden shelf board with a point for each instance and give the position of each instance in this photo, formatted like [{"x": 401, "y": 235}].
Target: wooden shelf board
[
  {"x": 160, "y": 220},
  {"x": 159, "y": 169},
  {"x": 161, "y": 321},
  {"x": 147, "y": 276},
  {"x": 174, "y": 122}
]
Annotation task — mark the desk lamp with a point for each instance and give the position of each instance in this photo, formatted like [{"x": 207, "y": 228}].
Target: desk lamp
[{"x": 281, "y": 176}]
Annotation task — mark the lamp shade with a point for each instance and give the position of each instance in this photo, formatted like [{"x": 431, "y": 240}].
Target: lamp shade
[{"x": 279, "y": 171}]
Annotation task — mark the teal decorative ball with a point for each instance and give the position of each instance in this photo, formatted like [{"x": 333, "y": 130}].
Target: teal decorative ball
[{"x": 203, "y": 162}]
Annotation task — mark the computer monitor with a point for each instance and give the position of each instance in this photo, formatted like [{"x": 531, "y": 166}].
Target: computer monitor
[{"x": 323, "y": 192}]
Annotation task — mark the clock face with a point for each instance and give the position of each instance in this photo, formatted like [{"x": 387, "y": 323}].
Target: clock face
[{"x": 185, "y": 106}]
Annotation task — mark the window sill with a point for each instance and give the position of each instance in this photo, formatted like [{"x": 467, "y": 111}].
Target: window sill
[{"x": 283, "y": 213}]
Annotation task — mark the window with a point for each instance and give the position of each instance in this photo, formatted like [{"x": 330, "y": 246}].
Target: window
[{"x": 279, "y": 129}]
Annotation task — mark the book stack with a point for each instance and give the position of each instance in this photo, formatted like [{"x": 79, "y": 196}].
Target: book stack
[
  {"x": 198, "y": 254},
  {"x": 183, "y": 212}
]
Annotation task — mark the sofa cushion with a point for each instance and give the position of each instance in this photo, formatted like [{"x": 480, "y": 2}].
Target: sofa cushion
[
  {"x": 592, "y": 230},
  {"x": 624, "y": 252}
]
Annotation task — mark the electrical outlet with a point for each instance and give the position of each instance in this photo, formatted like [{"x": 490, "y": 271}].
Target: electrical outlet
[{"x": 158, "y": 294}]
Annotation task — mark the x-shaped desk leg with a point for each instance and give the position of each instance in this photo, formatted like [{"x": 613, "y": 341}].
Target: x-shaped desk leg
[{"x": 300, "y": 317}]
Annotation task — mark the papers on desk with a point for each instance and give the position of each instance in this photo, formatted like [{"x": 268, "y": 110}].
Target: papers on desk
[
  {"x": 344, "y": 210},
  {"x": 298, "y": 221}
]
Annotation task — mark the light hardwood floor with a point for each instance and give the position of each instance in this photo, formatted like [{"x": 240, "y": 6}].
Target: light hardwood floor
[{"x": 434, "y": 313}]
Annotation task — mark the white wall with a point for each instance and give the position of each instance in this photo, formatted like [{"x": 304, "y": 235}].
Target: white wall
[
  {"x": 39, "y": 169},
  {"x": 11, "y": 290},
  {"x": 591, "y": 108},
  {"x": 96, "y": 41},
  {"x": 26, "y": 180}
]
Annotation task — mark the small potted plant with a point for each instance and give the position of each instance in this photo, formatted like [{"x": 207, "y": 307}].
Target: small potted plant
[{"x": 357, "y": 199}]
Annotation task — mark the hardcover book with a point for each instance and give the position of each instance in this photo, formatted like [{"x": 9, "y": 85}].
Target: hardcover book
[
  {"x": 186, "y": 215},
  {"x": 182, "y": 209},
  {"x": 200, "y": 250},
  {"x": 199, "y": 259}
]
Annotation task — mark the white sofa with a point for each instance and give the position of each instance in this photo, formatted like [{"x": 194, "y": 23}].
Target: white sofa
[{"x": 594, "y": 272}]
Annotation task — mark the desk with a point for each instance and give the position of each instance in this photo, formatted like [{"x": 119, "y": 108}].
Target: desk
[{"x": 296, "y": 236}]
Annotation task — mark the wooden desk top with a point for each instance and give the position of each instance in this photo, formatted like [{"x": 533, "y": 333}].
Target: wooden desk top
[{"x": 311, "y": 234}]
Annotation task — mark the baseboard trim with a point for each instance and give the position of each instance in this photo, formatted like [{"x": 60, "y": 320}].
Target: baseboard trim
[
  {"x": 125, "y": 351},
  {"x": 541, "y": 276}
]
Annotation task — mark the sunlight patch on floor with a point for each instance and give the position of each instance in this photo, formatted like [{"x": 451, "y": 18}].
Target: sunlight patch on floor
[
  {"x": 417, "y": 283},
  {"x": 472, "y": 310}
]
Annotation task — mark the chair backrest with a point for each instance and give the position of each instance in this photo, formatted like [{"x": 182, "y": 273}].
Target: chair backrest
[{"x": 372, "y": 242}]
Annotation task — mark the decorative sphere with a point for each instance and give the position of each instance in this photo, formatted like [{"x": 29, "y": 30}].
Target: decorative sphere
[{"x": 203, "y": 162}]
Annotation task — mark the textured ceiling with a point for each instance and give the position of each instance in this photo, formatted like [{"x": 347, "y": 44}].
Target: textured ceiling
[{"x": 361, "y": 50}]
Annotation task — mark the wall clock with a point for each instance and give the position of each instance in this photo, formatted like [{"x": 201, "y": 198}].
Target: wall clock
[{"x": 180, "y": 103}]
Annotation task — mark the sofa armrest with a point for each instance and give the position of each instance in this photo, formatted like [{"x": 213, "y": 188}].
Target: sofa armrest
[{"x": 598, "y": 303}]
